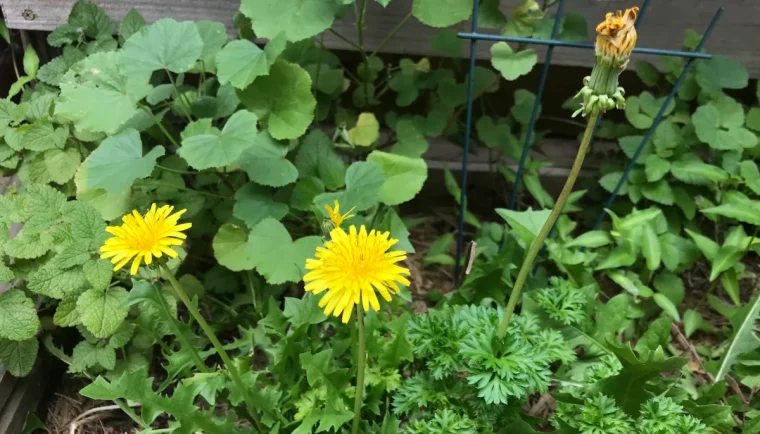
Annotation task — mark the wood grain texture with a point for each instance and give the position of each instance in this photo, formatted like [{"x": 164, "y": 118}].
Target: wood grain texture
[{"x": 664, "y": 25}]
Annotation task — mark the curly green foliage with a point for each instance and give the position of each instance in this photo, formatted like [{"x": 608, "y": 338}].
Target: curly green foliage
[
  {"x": 661, "y": 415},
  {"x": 607, "y": 366},
  {"x": 598, "y": 415},
  {"x": 419, "y": 391},
  {"x": 443, "y": 422},
  {"x": 563, "y": 302},
  {"x": 433, "y": 338}
]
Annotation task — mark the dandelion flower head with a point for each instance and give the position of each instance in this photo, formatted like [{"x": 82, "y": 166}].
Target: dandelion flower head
[
  {"x": 353, "y": 267},
  {"x": 617, "y": 34},
  {"x": 335, "y": 216},
  {"x": 142, "y": 237}
]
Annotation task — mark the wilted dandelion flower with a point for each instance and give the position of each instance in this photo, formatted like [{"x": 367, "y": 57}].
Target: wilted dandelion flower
[
  {"x": 616, "y": 35},
  {"x": 335, "y": 215},
  {"x": 351, "y": 267},
  {"x": 140, "y": 238}
]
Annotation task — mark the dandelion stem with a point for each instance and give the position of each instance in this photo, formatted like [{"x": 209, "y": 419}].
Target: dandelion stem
[
  {"x": 361, "y": 356},
  {"x": 159, "y": 125},
  {"x": 539, "y": 241},
  {"x": 229, "y": 365},
  {"x": 181, "y": 97}
]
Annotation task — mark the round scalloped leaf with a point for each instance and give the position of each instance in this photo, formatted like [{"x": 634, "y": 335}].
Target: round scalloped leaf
[
  {"x": 404, "y": 176},
  {"x": 215, "y": 149},
  {"x": 298, "y": 19},
  {"x": 19, "y": 356},
  {"x": 265, "y": 162},
  {"x": 283, "y": 99},
  {"x": 165, "y": 44},
  {"x": 441, "y": 13}
]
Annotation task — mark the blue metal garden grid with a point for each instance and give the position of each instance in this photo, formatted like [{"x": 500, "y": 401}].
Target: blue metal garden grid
[{"x": 474, "y": 37}]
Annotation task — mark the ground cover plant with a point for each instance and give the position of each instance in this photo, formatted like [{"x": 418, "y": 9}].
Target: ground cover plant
[{"x": 207, "y": 231}]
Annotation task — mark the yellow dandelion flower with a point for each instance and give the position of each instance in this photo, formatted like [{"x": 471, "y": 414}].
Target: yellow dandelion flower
[
  {"x": 143, "y": 237},
  {"x": 335, "y": 216},
  {"x": 351, "y": 267},
  {"x": 617, "y": 35}
]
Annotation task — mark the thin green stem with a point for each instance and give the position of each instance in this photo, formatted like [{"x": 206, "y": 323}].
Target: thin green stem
[
  {"x": 345, "y": 39},
  {"x": 319, "y": 65},
  {"x": 539, "y": 241},
  {"x": 361, "y": 355},
  {"x": 392, "y": 33},
  {"x": 229, "y": 365},
  {"x": 184, "y": 339},
  {"x": 202, "y": 82},
  {"x": 252, "y": 287},
  {"x": 160, "y": 125},
  {"x": 360, "y": 31},
  {"x": 181, "y": 97},
  {"x": 181, "y": 172}
]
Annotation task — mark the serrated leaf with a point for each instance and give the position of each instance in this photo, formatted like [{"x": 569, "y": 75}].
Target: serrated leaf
[
  {"x": 751, "y": 175},
  {"x": 743, "y": 339},
  {"x": 66, "y": 314},
  {"x": 527, "y": 224},
  {"x": 744, "y": 212},
  {"x": 87, "y": 355},
  {"x": 265, "y": 162},
  {"x": 98, "y": 274},
  {"x": 28, "y": 245},
  {"x": 441, "y": 13},
  {"x": 404, "y": 176},
  {"x": 283, "y": 99},
  {"x": 18, "y": 317},
  {"x": 119, "y": 161},
  {"x": 230, "y": 248},
  {"x": 132, "y": 23},
  {"x": 122, "y": 336},
  {"x": 659, "y": 192},
  {"x": 56, "y": 283},
  {"x": 650, "y": 247},
  {"x": 512, "y": 65},
  {"x": 62, "y": 165},
  {"x": 165, "y": 44},
  {"x": 275, "y": 255},
  {"x": 91, "y": 19},
  {"x": 85, "y": 223},
  {"x": 51, "y": 72},
  {"x": 103, "y": 311},
  {"x": 220, "y": 149},
  {"x": 303, "y": 311},
  {"x": 18, "y": 357}
]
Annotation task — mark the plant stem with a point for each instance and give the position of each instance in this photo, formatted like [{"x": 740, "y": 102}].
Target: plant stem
[
  {"x": 360, "y": 31},
  {"x": 180, "y": 172},
  {"x": 160, "y": 125},
  {"x": 539, "y": 241},
  {"x": 392, "y": 33},
  {"x": 183, "y": 102},
  {"x": 184, "y": 340},
  {"x": 361, "y": 355},
  {"x": 229, "y": 365},
  {"x": 345, "y": 39}
]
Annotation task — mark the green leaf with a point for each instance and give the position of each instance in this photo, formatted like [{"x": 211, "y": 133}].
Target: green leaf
[
  {"x": 87, "y": 355},
  {"x": 656, "y": 167},
  {"x": 744, "y": 212},
  {"x": 163, "y": 45},
  {"x": 667, "y": 306},
  {"x": 305, "y": 191},
  {"x": 317, "y": 157},
  {"x": 613, "y": 316},
  {"x": 66, "y": 314},
  {"x": 230, "y": 248},
  {"x": 697, "y": 172},
  {"x": 98, "y": 274},
  {"x": 91, "y": 19},
  {"x": 659, "y": 192},
  {"x": 283, "y": 99},
  {"x": 364, "y": 181},
  {"x": 97, "y": 96},
  {"x": 650, "y": 247},
  {"x": 671, "y": 286},
  {"x": 274, "y": 254},
  {"x": 512, "y": 65},
  {"x": 265, "y": 162},
  {"x": 103, "y": 311},
  {"x": 398, "y": 349},
  {"x": 4, "y": 33},
  {"x": 18, "y": 317},
  {"x": 631, "y": 283},
  {"x": 118, "y": 162},
  {"x": 743, "y": 339},
  {"x": 216, "y": 149},
  {"x": 725, "y": 258},
  {"x": 591, "y": 239},
  {"x": 214, "y": 37},
  {"x": 404, "y": 176},
  {"x": 85, "y": 223},
  {"x": 447, "y": 42},
  {"x": 620, "y": 256},
  {"x": 18, "y": 357},
  {"x": 730, "y": 282},
  {"x": 31, "y": 61},
  {"x": 751, "y": 175},
  {"x": 692, "y": 321},
  {"x": 708, "y": 247},
  {"x": 241, "y": 61},
  {"x": 527, "y": 224},
  {"x": 438, "y": 252},
  {"x": 254, "y": 203},
  {"x": 366, "y": 132},
  {"x": 648, "y": 73},
  {"x": 303, "y": 311},
  {"x": 56, "y": 283},
  {"x": 41, "y": 136},
  {"x": 411, "y": 141},
  {"x": 297, "y": 19},
  {"x": 721, "y": 72},
  {"x": 441, "y": 13},
  {"x": 655, "y": 336},
  {"x": 132, "y": 23}
]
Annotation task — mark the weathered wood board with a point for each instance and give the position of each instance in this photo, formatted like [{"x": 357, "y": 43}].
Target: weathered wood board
[{"x": 664, "y": 25}]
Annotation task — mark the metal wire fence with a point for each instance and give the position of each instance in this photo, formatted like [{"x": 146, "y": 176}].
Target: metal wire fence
[{"x": 552, "y": 43}]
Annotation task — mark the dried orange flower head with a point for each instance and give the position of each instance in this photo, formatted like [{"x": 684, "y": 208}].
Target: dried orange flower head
[{"x": 617, "y": 34}]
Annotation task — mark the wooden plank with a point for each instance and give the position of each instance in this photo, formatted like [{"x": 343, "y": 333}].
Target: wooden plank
[
  {"x": 7, "y": 381},
  {"x": 664, "y": 27},
  {"x": 23, "y": 399}
]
